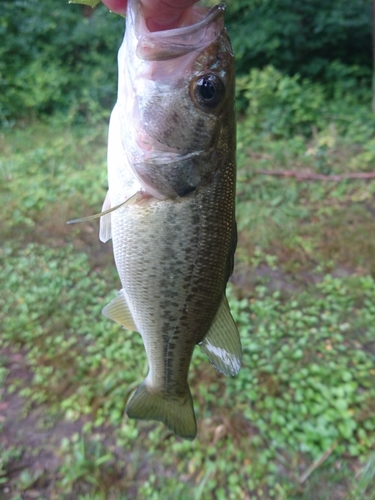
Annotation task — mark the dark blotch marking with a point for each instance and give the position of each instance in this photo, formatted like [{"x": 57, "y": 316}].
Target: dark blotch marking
[{"x": 185, "y": 191}]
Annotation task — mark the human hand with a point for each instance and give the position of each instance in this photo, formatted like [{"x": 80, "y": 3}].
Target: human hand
[{"x": 159, "y": 14}]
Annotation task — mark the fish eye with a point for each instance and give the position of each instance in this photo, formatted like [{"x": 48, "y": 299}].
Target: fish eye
[{"x": 209, "y": 91}]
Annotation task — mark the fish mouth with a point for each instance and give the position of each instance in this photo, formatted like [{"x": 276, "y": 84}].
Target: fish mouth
[
  {"x": 204, "y": 27},
  {"x": 155, "y": 68}
]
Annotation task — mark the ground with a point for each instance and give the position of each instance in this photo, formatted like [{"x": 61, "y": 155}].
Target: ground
[{"x": 296, "y": 424}]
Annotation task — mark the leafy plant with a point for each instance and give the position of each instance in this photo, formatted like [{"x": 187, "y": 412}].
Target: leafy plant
[
  {"x": 306, "y": 38},
  {"x": 56, "y": 57}
]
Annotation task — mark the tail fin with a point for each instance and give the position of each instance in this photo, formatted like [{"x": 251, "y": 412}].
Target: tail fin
[{"x": 177, "y": 413}]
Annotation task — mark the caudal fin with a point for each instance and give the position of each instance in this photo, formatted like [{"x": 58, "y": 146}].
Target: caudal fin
[{"x": 177, "y": 413}]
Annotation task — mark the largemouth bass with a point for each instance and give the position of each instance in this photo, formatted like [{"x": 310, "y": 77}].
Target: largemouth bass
[{"x": 171, "y": 159}]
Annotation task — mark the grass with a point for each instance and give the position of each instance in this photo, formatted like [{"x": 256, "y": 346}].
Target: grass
[{"x": 296, "y": 424}]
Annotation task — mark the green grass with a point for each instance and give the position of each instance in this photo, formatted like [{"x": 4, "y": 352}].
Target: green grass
[{"x": 303, "y": 295}]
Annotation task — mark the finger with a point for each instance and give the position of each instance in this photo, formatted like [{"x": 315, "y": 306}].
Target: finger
[
  {"x": 159, "y": 14},
  {"x": 118, "y": 6}
]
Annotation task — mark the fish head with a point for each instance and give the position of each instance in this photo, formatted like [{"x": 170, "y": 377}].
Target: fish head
[{"x": 176, "y": 100}]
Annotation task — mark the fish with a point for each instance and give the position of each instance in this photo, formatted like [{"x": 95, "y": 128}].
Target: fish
[{"x": 170, "y": 206}]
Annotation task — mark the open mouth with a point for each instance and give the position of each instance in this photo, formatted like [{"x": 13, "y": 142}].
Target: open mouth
[{"x": 203, "y": 27}]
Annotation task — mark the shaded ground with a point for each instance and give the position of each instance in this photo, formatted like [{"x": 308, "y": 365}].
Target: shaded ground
[
  {"x": 34, "y": 432},
  {"x": 31, "y": 430}
]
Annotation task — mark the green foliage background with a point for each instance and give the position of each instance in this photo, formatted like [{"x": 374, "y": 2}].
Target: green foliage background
[
  {"x": 57, "y": 57},
  {"x": 302, "y": 37},
  {"x": 60, "y": 57}
]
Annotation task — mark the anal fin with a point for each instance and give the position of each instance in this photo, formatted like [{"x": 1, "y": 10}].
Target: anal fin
[
  {"x": 222, "y": 343},
  {"x": 118, "y": 310}
]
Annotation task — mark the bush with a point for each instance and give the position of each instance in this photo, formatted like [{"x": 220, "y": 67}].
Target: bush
[
  {"x": 304, "y": 37},
  {"x": 56, "y": 57},
  {"x": 282, "y": 105}
]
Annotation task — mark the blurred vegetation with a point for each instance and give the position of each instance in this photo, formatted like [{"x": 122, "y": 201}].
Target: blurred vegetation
[
  {"x": 303, "y": 37},
  {"x": 298, "y": 421},
  {"x": 56, "y": 57}
]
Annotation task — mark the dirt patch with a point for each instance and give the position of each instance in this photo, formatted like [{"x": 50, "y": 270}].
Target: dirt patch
[{"x": 30, "y": 433}]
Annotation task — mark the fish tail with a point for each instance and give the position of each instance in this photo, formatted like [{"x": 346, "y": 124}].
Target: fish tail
[{"x": 176, "y": 412}]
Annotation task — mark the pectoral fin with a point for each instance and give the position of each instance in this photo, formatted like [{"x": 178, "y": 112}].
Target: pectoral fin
[
  {"x": 105, "y": 231},
  {"x": 222, "y": 343},
  {"x": 118, "y": 310}
]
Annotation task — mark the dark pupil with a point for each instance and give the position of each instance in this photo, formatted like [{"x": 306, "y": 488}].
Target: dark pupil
[
  {"x": 206, "y": 88},
  {"x": 208, "y": 91}
]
